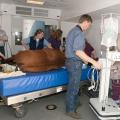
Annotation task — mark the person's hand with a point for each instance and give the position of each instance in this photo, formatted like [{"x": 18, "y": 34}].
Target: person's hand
[
  {"x": 49, "y": 46},
  {"x": 97, "y": 65},
  {"x": 85, "y": 62}
]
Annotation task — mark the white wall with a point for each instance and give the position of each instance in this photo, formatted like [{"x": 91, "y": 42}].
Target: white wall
[
  {"x": 10, "y": 28},
  {"x": 86, "y": 6},
  {"x": 17, "y": 25},
  {"x": 66, "y": 27},
  {"x": 0, "y": 20},
  {"x": 94, "y": 36},
  {"x": 7, "y": 20}
]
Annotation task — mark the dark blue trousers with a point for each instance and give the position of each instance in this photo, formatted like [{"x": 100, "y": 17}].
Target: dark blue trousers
[{"x": 74, "y": 68}]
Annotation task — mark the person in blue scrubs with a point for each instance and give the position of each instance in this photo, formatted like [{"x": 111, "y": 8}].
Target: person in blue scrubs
[
  {"x": 74, "y": 51},
  {"x": 35, "y": 42}
]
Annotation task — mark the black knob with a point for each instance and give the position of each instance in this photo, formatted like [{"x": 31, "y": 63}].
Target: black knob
[{"x": 103, "y": 108}]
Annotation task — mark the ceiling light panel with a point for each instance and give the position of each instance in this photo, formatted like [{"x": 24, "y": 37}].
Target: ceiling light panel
[{"x": 40, "y": 2}]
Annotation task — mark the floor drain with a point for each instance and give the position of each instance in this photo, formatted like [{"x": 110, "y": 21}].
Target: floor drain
[{"x": 51, "y": 107}]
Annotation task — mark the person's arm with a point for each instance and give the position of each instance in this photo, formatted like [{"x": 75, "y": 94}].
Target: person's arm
[
  {"x": 50, "y": 46},
  {"x": 2, "y": 56},
  {"x": 25, "y": 43},
  {"x": 47, "y": 44},
  {"x": 2, "y": 59},
  {"x": 87, "y": 59},
  {"x": 78, "y": 47}
]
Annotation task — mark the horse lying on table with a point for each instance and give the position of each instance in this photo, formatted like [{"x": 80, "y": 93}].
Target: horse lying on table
[{"x": 38, "y": 60}]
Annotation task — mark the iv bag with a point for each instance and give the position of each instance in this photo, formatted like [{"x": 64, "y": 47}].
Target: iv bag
[{"x": 109, "y": 31}]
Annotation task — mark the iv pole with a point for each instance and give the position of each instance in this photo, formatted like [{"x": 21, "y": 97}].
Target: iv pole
[{"x": 105, "y": 108}]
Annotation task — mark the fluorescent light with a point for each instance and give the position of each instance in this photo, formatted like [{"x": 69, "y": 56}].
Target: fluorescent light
[{"x": 35, "y": 2}]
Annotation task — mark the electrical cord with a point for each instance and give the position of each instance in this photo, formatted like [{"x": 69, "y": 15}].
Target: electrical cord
[{"x": 94, "y": 83}]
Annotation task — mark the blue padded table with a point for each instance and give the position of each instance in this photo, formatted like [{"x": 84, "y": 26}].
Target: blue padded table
[
  {"x": 36, "y": 81},
  {"x": 16, "y": 90},
  {"x": 33, "y": 82}
]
